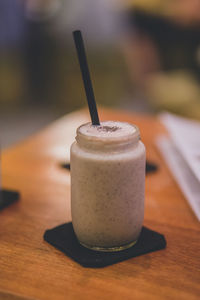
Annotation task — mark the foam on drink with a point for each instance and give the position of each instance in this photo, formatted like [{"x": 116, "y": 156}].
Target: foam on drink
[{"x": 108, "y": 129}]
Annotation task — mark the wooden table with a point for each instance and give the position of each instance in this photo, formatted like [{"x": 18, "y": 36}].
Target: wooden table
[{"x": 32, "y": 269}]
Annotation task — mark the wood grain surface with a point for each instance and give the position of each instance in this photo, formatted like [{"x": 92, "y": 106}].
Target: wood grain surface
[{"x": 32, "y": 269}]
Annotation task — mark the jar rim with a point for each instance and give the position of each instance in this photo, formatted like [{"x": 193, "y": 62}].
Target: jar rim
[{"x": 111, "y": 140}]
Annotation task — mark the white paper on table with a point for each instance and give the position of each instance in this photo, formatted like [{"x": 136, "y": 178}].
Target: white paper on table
[
  {"x": 185, "y": 134},
  {"x": 185, "y": 178}
]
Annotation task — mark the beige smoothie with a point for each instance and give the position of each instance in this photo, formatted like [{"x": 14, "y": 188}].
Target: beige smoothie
[{"x": 107, "y": 185}]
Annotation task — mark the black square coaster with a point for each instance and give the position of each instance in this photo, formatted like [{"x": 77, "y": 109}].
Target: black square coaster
[
  {"x": 7, "y": 197},
  {"x": 63, "y": 238},
  {"x": 150, "y": 167},
  {"x": 65, "y": 166}
]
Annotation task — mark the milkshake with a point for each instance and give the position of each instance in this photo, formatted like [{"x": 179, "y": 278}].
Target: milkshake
[{"x": 107, "y": 185}]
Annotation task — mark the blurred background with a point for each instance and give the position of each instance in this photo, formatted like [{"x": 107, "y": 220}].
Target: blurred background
[{"x": 144, "y": 56}]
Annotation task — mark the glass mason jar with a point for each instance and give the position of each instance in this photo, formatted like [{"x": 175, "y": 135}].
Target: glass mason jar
[{"x": 107, "y": 185}]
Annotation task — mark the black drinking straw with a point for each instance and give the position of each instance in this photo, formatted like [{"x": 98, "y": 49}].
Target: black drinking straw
[{"x": 86, "y": 76}]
